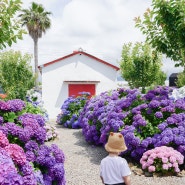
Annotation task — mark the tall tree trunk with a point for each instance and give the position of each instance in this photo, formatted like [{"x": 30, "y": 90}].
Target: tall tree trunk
[{"x": 36, "y": 63}]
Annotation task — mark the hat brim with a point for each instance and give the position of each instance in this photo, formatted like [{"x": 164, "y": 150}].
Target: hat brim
[{"x": 114, "y": 150}]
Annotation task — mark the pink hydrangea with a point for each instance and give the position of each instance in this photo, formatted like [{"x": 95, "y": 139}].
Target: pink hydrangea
[
  {"x": 153, "y": 155},
  {"x": 162, "y": 159},
  {"x": 151, "y": 168},
  {"x": 150, "y": 161},
  {"x": 169, "y": 165},
  {"x": 177, "y": 170},
  {"x": 173, "y": 159},
  {"x": 159, "y": 155},
  {"x": 14, "y": 168},
  {"x": 165, "y": 166},
  {"x": 3, "y": 140},
  {"x": 144, "y": 165},
  {"x": 145, "y": 157},
  {"x": 16, "y": 153}
]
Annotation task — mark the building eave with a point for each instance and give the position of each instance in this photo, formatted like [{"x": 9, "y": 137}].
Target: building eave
[{"x": 78, "y": 53}]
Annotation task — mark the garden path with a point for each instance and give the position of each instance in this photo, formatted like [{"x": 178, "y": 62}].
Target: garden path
[{"x": 83, "y": 160}]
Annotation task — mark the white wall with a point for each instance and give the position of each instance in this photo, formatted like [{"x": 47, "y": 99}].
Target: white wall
[{"x": 75, "y": 68}]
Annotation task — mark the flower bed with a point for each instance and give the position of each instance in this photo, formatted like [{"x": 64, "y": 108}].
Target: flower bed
[
  {"x": 146, "y": 120},
  {"x": 35, "y": 106},
  {"x": 45, "y": 164},
  {"x": 71, "y": 110}
]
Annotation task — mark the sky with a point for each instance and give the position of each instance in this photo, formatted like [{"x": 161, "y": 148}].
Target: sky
[{"x": 98, "y": 27}]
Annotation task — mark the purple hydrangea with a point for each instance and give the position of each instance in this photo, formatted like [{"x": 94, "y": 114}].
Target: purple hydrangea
[
  {"x": 16, "y": 105},
  {"x": 14, "y": 165},
  {"x": 39, "y": 177},
  {"x": 28, "y": 175},
  {"x": 52, "y": 159},
  {"x": 32, "y": 146},
  {"x": 104, "y": 113},
  {"x": 1, "y": 120},
  {"x": 4, "y": 106},
  {"x": 7, "y": 166},
  {"x": 145, "y": 120},
  {"x": 71, "y": 109},
  {"x": 33, "y": 128},
  {"x": 20, "y": 130},
  {"x": 34, "y": 117},
  {"x": 57, "y": 153}
]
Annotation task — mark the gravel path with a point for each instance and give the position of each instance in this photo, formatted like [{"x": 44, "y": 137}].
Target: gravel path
[{"x": 83, "y": 160}]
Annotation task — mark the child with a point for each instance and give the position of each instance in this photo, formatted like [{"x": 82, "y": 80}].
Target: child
[{"x": 114, "y": 170}]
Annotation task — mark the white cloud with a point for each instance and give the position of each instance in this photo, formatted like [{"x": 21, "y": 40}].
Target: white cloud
[
  {"x": 100, "y": 27},
  {"x": 169, "y": 67}
]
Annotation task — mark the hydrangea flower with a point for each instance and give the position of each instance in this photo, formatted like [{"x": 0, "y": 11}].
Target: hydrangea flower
[
  {"x": 71, "y": 109},
  {"x": 14, "y": 168},
  {"x": 51, "y": 132},
  {"x": 52, "y": 159},
  {"x": 3, "y": 140},
  {"x": 162, "y": 159},
  {"x": 178, "y": 93},
  {"x": 39, "y": 177},
  {"x": 1, "y": 120},
  {"x": 7, "y": 165},
  {"x": 15, "y": 105},
  {"x": 35, "y": 98},
  {"x": 16, "y": 153},
  {"x": 33, "y": 127}
]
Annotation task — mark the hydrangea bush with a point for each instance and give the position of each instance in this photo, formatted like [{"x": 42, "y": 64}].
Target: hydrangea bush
[
  {"x": 146, "y": 120},
  {"x": 104, "y": 113},
  {"x": 51, "y": 132},
  {"x": 27, "y": 130},
  {"x": 35, "y": 98},
  {"x": 71, "y": 110},
  {"x": 35, "y": 106},
  {"x": 14, "y": 167},
  {"x": 162, "y": 160},
  {"x": 178, "y": 93}
]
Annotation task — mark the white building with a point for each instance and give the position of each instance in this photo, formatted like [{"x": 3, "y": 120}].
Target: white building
[{"x": 74, "y": 73}]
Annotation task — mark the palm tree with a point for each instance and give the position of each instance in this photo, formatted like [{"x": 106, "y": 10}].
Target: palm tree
[{"x": 37, "y": 22}]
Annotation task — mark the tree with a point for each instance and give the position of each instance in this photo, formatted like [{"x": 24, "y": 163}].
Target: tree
[
  {"x": 10, "y": 27},
  {"x": 37, "y": 22},
  {"x": 164, "y": 27},
  {"x": 16, "y": 76},
  {"x": 141, "y": 66}
]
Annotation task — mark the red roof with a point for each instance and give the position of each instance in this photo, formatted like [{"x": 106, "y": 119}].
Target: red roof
[{"x": 81, "y": 53}]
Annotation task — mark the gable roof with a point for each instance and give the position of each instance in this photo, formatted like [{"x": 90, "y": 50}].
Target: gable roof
[{"x": 77, "y": 53}]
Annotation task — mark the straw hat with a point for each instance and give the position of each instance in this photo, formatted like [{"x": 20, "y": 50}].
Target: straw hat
[{"x": 116, "y": 143}]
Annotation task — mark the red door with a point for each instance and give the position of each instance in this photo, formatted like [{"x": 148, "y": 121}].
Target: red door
[{"x": 75, "y": 89}]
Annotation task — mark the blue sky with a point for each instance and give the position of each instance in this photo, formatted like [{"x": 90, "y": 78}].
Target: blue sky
[{"x": 99, "y": 27}]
